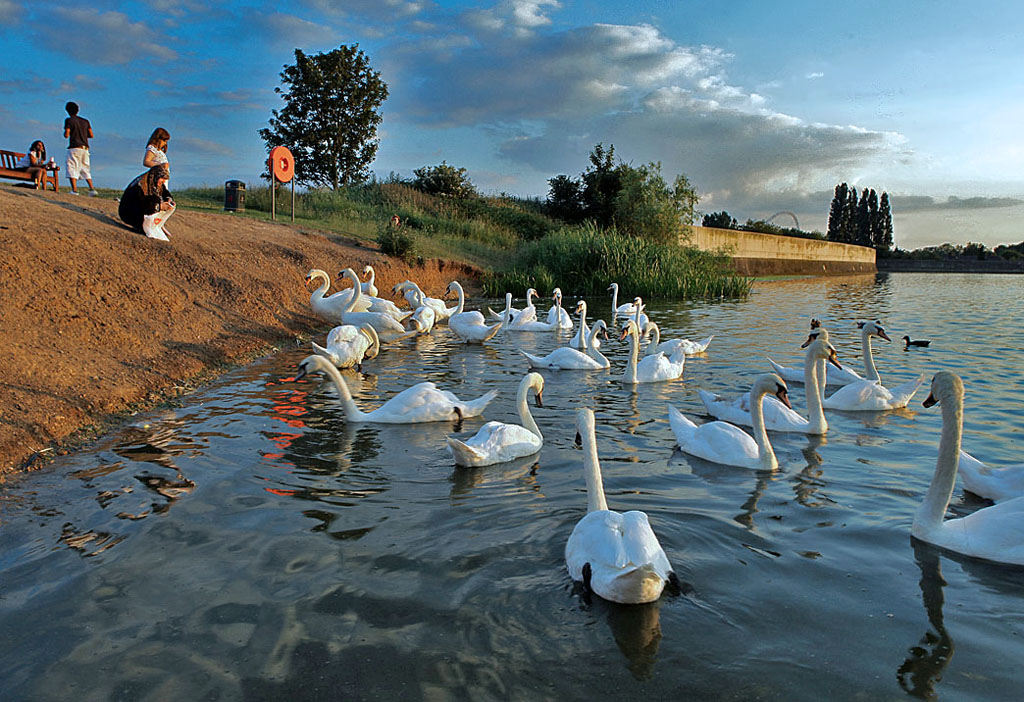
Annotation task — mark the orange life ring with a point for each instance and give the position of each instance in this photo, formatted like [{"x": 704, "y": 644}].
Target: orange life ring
[{"x": 281, "y": 164}]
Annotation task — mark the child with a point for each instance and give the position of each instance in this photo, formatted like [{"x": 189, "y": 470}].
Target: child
[{"x": 78, "y": 131}]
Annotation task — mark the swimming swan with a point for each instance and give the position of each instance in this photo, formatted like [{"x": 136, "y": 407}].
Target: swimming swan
[
  {"x": 626, "y": 310},
  {"x": 469, "y": 326},
  {"x": 579, "y": 341},
  {"x": 422, "y": 402},
  {"x": 497, "y": 442},
  {"x": 671, "y": 346},
  {"x": 996, "y": 484},
  {"x": 566, "y": 358},
  {"x": 376, "y": 304},
  {"x": 368, "y": 286},
  {"x": 556, "y": 314},
  {"x": 994, "y": 533},
  {"x": 527, "y": 320},
  {"x": 834, "y": 376},
  {"x": 721, "y": 442},
  {"x": 652, "y": 369},
  {"x": 871, "y": 395},
  {"x": 348, "y": 346},
  {"x": 388, "y": 328},
  {"x": 778, "y": 416},
  {"x": 441, "y": 310},
  {"x": 615, "y": 555}
]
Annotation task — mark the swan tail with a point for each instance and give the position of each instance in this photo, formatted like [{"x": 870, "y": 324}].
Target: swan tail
[
  {"x": 475, "y": 408},
  {"x": 778, "y": 369},
  {"x": 494, "y": 315},
  {"x": 492, "y": 331},
  {"x": 902, "y": 393},
  {"x": 682, "y": 427},
  {"x": 710, "y": 400},
  {"x": 464, "y": 454},
  {"x": 704, "y": 343},
  {"x": 534, "y": 361},
  {"x": 321, "y": 351}
]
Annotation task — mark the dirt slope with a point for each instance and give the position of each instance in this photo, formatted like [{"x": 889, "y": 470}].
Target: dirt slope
[{"x": 96, "y": 320}]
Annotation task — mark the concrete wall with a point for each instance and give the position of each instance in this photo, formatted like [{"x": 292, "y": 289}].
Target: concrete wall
[
  {"x": 960, "y": 266},
  {"x": 768, "y": 254}
]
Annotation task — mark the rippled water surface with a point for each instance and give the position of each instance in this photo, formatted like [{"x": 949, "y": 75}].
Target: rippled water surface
[{"x": 251, "y": 545}]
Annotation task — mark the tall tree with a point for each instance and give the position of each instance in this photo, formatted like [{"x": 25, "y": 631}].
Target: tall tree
[
  {"x": 648, "y": 208},
  {"x": 885, "y": 241},
  {"x": 329, "y": 120},
  {"x": 836, "y": 212},
  {"x": 565, "y": 198},
  {"x": 601, "y": 185},
  {"x": 862, "y": 230}
]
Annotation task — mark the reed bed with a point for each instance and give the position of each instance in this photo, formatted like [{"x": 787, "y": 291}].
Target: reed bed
[{"x": 585, "y": 260}]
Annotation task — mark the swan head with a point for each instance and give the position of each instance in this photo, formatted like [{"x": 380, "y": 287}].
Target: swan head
[
  {"x": 535, "y": 381},
  {"x": 815, "y": 323},
  {"x": 581, "y": 307},
  {"x": 771, "y": 384},
  {"x": 314, "y": 274},
  {"x": 312, "y": 364},
  {"x": 613, "y": 286},
  {"x": 816, "y": 333},
  {"x": 873, "y": 329},
  {"x": 629, "y": 327},
  {"x": 945, "y": 386},
  {"x": 599, "y": 324},
  {"x": 820, "y": 348},
  {"x": 530, "y": 293},
  {"x": 556, "y": 294},
  {"x": 367, "y": 270}
]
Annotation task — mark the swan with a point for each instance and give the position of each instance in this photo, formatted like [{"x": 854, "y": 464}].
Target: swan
[
  {"x": 348, "y": 345},
  {"x": 627, "y": 309},
  {"x": 994, "y": 533},
  {"x": 497, "y": 442},
  {"x": 652, "y": 369},
  {"x": 368, "y": 287},
  {"x": 527, "y": 320},
  {"x": 640, "y": 317},
  {"x": 566, "y": 358},
  {"x": 996, "y": 484},
  {"x": 388, "y": 328},
  {"x": 423, "y": 317},
  {"x": 469, "y": 326},
  {"x": 370, "y": 303},
  {"x": 329, "y": 307},
  {"x": 556, "y": 314},
  {"x": 442, "y": 311},
  {"x": 510, "y": 312},
  {"x": 670, "y": 347},
  {"x": 833, "y": 376},
  {"x": 870, "y": 395},
  {"x": 721, "y": 442},
  {"x": 615, "y": 555},
  {"x": 422, "y": 402},
  {"x": 777, "y": 416},
  {"x": 580, "y": 340}
]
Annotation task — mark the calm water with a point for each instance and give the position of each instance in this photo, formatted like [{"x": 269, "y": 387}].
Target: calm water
[{"x": 250, "y": 545}]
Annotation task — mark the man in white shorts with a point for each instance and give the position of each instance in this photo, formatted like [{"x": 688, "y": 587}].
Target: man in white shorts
[{"x": 78, "y": 131}]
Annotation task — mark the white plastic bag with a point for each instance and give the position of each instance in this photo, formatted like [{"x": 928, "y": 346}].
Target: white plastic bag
[{"x": 153, "y": 225}]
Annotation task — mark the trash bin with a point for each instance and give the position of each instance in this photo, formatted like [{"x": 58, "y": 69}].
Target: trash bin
[{"x": 234, "y": 196}]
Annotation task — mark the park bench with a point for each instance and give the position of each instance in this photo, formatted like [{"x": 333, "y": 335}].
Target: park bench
[{"x": 8, "y": 161}]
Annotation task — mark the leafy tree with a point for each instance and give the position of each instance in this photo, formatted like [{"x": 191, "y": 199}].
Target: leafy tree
[
  {"x": 565, "y": 198},
  {"x": 444, "y": 180},
  {"x": 884, "y": 241},
  {"x": 647, "y": 207},
  {"x": 836, "y": 213},
  {"x": 721, "y": 220},
  {"x": 329, "y": 121},
  {"x": 601, "y": 185}
]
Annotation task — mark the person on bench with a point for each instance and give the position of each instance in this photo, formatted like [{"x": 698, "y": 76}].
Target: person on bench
[
  {"x": 146, "y": 203},
  {"x": 34, "y": 163}
]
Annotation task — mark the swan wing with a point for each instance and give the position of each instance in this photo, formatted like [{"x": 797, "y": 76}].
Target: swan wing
[
  {"x": 994, "y": 533},
  {"x": 718, "y": 442},
  {"x": 788, "y": 373},
  {"x": 495, "y": 442},
  {"x": 658, "y": 368},
  {"x": 341, "y": 334},
  {"x": 422, "y": 402},
  {"x": 996, "y": 484},
  {"x": 326, "y": 353}
]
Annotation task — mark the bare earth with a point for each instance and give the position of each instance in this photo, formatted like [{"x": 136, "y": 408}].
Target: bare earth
[{"x": 97, "y": 321}]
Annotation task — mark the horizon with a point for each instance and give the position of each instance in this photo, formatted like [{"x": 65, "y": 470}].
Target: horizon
[{"x": 741, "y": 99}]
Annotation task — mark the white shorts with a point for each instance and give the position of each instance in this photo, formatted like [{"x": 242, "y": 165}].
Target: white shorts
[{"x": 78, "y": 164}]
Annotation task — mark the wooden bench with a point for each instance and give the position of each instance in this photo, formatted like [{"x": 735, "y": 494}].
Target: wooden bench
[{"x": 8, "y": 161}]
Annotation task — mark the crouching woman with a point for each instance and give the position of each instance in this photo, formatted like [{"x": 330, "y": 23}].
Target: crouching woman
[{"x": 146, "y": 204}]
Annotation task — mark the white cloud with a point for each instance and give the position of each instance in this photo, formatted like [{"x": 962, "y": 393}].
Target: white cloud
[
  {"x": 814, "y": 76},
  {"x": 10, "y": 13}
]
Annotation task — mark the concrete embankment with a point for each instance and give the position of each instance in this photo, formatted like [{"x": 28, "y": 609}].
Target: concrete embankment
[
  {"x": 769, "y": 254},
  {"x": 904, "y": 265}
]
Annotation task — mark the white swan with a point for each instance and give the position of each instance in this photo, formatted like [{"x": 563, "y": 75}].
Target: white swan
[
  {"x": 510, "y": 312},
  {"x": 441, "y": 310},
  {"x": 497, "y": 442},
  {"x": 721, "y": 442},
  {"x": 994, "y": 533},
  {"x": 847, "y": 375},
  {"x": 422, "y": 402},
  {"x": 615, "y": 555},
  {"x": 329, "y": 307},
  {"x": 469, "y": 326},
  {"x": 870, "y": 395},
  {"x": 996, "y": 484},
  {"x": 652, "y": 369},
  {"x": 368, "y": 286},
  {"x": 557, "y": 315},
  {"x": 688, "y": 347},
  {"x": 348, "y": 346},
  {"x": 580, "y": 340},
  {"x": 777, "y": 416},
  {"x": 626, "y": 310},
  {"x": 388, "y": 328},
  {"x": 423, "y": 316},
  {"x": 527, "y": 320},
  {"x": 566, "y": 358},
  {"x": 371, "y": 303}
]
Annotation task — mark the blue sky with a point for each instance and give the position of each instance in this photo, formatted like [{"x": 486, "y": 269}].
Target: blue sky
[{"x": 764, "y": 106}]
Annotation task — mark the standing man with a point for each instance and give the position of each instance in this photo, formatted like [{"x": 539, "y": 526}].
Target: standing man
[{"x": 78, "y": 131}]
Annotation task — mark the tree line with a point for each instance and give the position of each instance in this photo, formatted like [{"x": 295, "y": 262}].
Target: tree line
[{"x": 866, "y": 221}]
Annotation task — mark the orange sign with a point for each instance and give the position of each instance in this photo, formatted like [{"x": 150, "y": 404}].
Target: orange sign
[{"x": 281, "y": 164}]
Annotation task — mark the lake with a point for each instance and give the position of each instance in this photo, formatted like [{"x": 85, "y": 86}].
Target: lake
[{"x": 250, "y": 545}]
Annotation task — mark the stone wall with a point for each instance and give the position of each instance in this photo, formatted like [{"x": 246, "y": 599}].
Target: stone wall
[{"x": 769, "y": 254}]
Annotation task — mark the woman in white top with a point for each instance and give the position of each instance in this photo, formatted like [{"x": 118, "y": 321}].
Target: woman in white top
[
  {"x": 34, "y": 163},
  {"x": 156, "y": 148}
]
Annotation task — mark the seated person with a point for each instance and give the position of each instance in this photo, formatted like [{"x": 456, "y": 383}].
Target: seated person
[
  {"x": 34, "y": 163},
  {"x": 146, "y": 203}
]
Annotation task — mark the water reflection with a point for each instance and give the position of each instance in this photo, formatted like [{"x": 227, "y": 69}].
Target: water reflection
[
  {"x": 808, "y": 483},
  {"x": 923, "y": 668},
  {"x": 636, "y": 630}
]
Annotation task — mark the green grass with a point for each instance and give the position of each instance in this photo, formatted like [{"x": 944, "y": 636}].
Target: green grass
[{"x": 511, "y": 239}]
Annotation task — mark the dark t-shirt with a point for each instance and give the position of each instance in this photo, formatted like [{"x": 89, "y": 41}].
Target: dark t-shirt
[{"x": 79, "y": 134}]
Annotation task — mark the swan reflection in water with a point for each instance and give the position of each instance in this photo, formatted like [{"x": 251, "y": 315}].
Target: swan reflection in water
[
  {"x": 636, "y": 629},
  {"x": 519, "y": 475},
  {"x": 926, "y": 662},
  {"x": 808, "y": 483}
]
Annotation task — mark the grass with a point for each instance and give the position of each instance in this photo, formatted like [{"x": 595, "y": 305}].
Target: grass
[{"x": 511, "y": 239}]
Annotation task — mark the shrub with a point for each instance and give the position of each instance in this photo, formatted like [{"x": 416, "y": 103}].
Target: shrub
[{"x": 397, "y": 242}]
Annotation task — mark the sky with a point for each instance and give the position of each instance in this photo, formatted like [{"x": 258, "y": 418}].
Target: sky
[{"x": 765, "y": 107}]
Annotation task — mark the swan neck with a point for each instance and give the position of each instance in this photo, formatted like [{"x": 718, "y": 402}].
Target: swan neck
[
  {"x": 507, "y": 317},
  {"x": 936, "y": 500},
  {"x": 812, "y": 386},
  {"x": 634, "y": 351},
  {"x": 321, "y": 292},
  {"x": 462, "y": 299},
  {"x": 869, "y": 357},
  {"x": 655, "y": 338},
  {"x": 524, "y": 409},
  {"x": 357, "y": 291},
  {"x": 352, "y": 412},
  {"x": 592, "y": 472},
  {"x": 765, "y": 453},
  {"x": 615, "y": 299}
]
